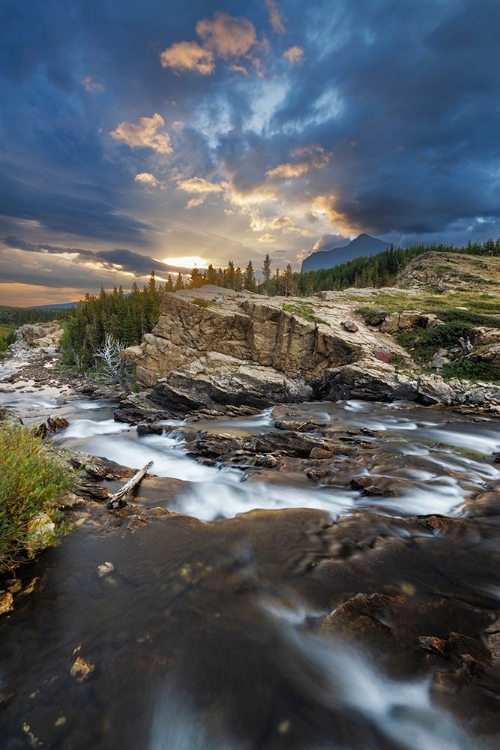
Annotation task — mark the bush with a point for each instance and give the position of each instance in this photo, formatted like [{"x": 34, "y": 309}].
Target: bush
[
  {"x": 202, "y": 302},
  {"x": 470, "y": 369},
  {"x": 304, "y": 309},
  {"x": 32, "y": 478}
]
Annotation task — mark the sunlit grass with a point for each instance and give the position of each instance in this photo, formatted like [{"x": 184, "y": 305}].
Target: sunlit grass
[{"x": 32, "y": 478}]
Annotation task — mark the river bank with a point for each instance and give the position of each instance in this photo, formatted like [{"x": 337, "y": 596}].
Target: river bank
[{"x": 319, "y": 575}]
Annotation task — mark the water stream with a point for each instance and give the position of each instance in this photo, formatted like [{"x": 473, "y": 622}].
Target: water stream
[{"x": 207, "y": 629}]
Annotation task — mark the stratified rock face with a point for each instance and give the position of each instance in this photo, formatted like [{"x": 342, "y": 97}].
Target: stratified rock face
[{"x": 215, "y": 346}]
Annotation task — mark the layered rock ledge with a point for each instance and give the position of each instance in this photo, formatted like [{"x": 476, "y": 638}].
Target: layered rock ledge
[{"x": 214, "y": 346}]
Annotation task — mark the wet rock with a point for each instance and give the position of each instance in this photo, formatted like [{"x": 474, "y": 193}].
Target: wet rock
[
  {"x": 267, "y": 461},
  {"x": 55, "y": 422},
  {"x": 324, "y": 475},
  {"x": 98, "y": 467},
  {"x": 138, "y": 408},
  {"x": 6, "y": 602},
  {"x": 493, "y": 641},
  {"x": 9, "y": 417},
  {"x": 40, "y": 532},
  {"x": 81, "y": 669},
  {"x": 297, "y": 425},
  {"x": 214, "y": 446},
  {"x": 433, "y": 390},
  {"x": 369, "y": 380},
  {"x": 318, "y": 452},
  {"x": 456, "y": 647},
  {"x": 149, "y": 428},
  {"x": 105, "y": 569},
  {"x": 41, "y": 430},
  {"x": 364, "y": 615},
  {"x": 297, "y": 417},
  {"x": 379, "y": 486},
  {"x": 286, "y": 443}
]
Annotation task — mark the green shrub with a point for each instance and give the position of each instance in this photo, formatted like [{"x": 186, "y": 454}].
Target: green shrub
[
  {"x": 202, "y": 302},
  {"x": 32, "y": 478},
  {"x": 469, "y": 369},
  {"x": 424, "y": 342},
  {"x": 304, "y": 309}
]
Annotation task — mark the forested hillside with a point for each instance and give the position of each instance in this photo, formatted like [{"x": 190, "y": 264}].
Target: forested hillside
[
  {"x": 124, "y": 319},
  {"x": 13, "y": 317}
]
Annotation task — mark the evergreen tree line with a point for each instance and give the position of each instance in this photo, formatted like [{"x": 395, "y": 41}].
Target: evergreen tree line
[
  {"x": 127, "y": 317},
  {"x": 116, "y": 316},
  {"x": 376, "y": 270},
  {"x": 19, "y": 316},
  {"x": 381, "y": 269}
]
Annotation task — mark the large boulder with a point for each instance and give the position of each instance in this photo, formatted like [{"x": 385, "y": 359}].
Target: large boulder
[
  {"x": 212, "y": 346},
  {"x": 38, "y": 335}
]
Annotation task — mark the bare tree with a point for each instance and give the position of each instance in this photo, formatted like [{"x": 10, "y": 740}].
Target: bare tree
[{"x": 112, "y": 364}]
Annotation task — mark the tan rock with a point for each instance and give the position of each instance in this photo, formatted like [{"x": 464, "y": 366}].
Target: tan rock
[
  {"x": 6, "y": 602},
  {"x": 232, "y": 348}
]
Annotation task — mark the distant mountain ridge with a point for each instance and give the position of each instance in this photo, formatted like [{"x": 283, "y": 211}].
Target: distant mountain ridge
[
  {"x": 362, "y": 246},
  {"x": 56, "y": 306}
]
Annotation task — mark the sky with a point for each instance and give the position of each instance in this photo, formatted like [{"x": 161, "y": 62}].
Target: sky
[{"x": 160, "y": 134}]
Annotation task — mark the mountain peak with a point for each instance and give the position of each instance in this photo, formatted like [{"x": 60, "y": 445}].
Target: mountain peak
[{"x": 363, "y": 245}]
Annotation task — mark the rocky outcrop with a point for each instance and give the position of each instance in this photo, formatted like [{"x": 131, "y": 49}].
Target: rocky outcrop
[
  {"x": 213, "y": 346},
  {"x": 37, "y": 335},
  {"x": 444, "y": 271}
]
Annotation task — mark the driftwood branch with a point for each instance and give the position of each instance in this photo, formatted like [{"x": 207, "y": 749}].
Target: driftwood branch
[{"x": 117, "y": 500}]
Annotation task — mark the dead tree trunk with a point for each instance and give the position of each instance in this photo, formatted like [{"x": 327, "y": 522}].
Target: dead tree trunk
[{"x": 117, "y": 500}]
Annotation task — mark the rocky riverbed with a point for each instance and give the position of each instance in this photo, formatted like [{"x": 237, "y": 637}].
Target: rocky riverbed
[{"x": 319, "y": 575}]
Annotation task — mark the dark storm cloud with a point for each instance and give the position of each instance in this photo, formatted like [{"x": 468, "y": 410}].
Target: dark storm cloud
[
  {"x": 399, "y": 98},
  {"x": 72, "y": 211},
  {"x": 116, "y": 259},
  {"x": 412, "y": 128}
]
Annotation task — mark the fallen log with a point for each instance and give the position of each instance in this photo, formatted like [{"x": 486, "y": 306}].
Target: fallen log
[{"x": 117, "y": 500}]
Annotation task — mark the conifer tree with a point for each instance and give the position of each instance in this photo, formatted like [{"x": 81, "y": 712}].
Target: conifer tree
[
  {"x": 249, "y": 278},
  {"x": 266, "y": 273}
]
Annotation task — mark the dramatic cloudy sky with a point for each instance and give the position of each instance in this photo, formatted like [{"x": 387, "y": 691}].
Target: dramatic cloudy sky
[{"x": 140, "y": 134}]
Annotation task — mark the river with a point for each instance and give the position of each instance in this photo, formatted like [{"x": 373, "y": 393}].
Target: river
[{"x": 267, "y": 611}]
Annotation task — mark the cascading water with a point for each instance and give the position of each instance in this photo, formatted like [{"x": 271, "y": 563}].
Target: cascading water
[{"x": 207, "y": 633}]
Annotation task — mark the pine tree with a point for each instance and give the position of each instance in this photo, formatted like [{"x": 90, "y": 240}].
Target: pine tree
[
  {"x": 249, "y": 278},
  {"x": 287, "y": 283},
  {"x": 211, "y": 275},
  {"x": 266, "y": 273},
  {"x": 229, "y": 276},
  {"x": 196, "y": 279}
]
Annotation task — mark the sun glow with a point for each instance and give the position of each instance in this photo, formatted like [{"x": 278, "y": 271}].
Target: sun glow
[{"x": 187, "y": 261}]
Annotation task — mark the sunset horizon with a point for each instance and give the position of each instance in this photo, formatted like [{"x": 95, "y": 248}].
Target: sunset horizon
[{"x": 134, "y": 135}]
